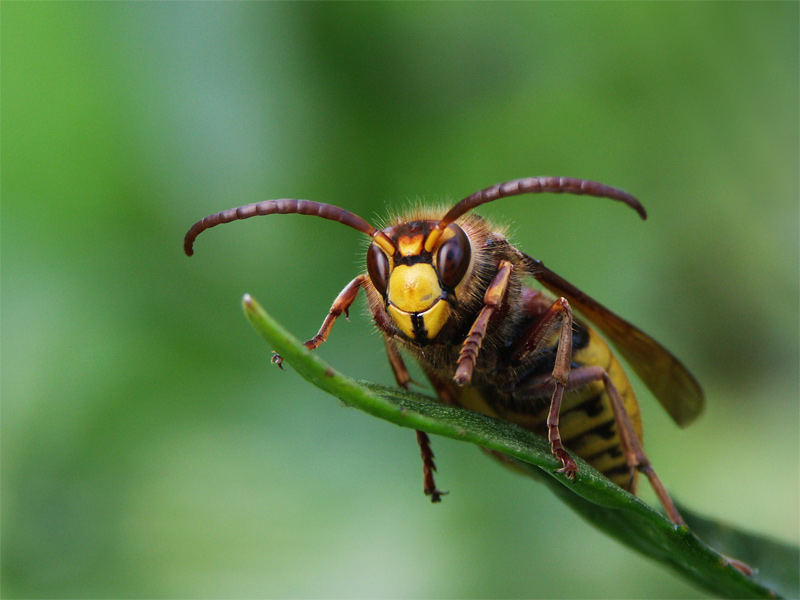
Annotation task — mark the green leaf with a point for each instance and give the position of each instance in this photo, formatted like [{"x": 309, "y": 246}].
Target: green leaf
[{"x": 591, "y": 495}]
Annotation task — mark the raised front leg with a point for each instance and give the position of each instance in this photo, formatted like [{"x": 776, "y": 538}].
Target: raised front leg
[
  {"x": 403, "y": 378},
  {"x": 341, "y": 305},
  {"x": 492, "y": 300}
]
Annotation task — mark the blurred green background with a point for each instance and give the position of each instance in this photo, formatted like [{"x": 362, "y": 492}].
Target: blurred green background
[{"x": 149, "y": 449}]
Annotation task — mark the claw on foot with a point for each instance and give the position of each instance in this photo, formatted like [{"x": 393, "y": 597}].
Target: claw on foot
[
  {"x": 436, "y": 495},
  {"x": 570, "y": 469},
  {"x": 277, "y": 359},
  {"x": 463, "y": 374}
]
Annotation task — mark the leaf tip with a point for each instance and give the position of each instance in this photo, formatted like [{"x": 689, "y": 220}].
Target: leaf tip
[{"x": 250, "y": 306}]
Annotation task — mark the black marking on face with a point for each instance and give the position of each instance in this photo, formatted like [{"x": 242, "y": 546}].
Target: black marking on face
[
  {"x": 418, "y": 324},
  {"x": 415, "y": 259}
]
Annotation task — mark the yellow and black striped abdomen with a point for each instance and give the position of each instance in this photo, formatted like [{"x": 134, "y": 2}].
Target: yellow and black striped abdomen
[{"x": 586, "y": 422}]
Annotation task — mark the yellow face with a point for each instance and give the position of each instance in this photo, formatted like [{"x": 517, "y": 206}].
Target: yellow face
[
  {"x": 414, "y": 301},
  {"x": 418, "y": 285}
]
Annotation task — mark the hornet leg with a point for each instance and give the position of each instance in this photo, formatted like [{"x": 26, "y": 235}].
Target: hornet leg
[
  {"x": 558, "y": 318},
  {"x": 635, "y": 457},
  {"x": 403, "y": 378},
  {"x": 341, "y": 305},
  {"x": 492, "y": 300}
]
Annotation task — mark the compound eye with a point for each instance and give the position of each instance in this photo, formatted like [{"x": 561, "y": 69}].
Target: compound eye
[
  {"x": 452, "y": 258},
  {"x": 378, "y": 268}
]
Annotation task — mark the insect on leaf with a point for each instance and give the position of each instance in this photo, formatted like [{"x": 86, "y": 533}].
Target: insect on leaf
[{"x": 595, "y": 498}]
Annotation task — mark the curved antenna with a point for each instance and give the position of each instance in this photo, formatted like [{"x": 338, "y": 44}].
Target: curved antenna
[
  {"x": 531, "y": 185},
  {"x": 286, "y": 206}
]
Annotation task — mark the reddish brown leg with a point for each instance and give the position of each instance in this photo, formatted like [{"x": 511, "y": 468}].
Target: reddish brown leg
[
  {"x": 559, "y": 315},
  {"x": 341, "y": 305},
  {"x": 403, "y": 378},
  {"x": 634, "y": 453},
  {"x": 569, "y": 468},
  {"x": 539, "y": 336},
  {"x": 428, "y": 468},
  {"x": 401, "y": 374},
  {"x": 631, "y": 446},
  {"x": 492, "y": 300}
]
